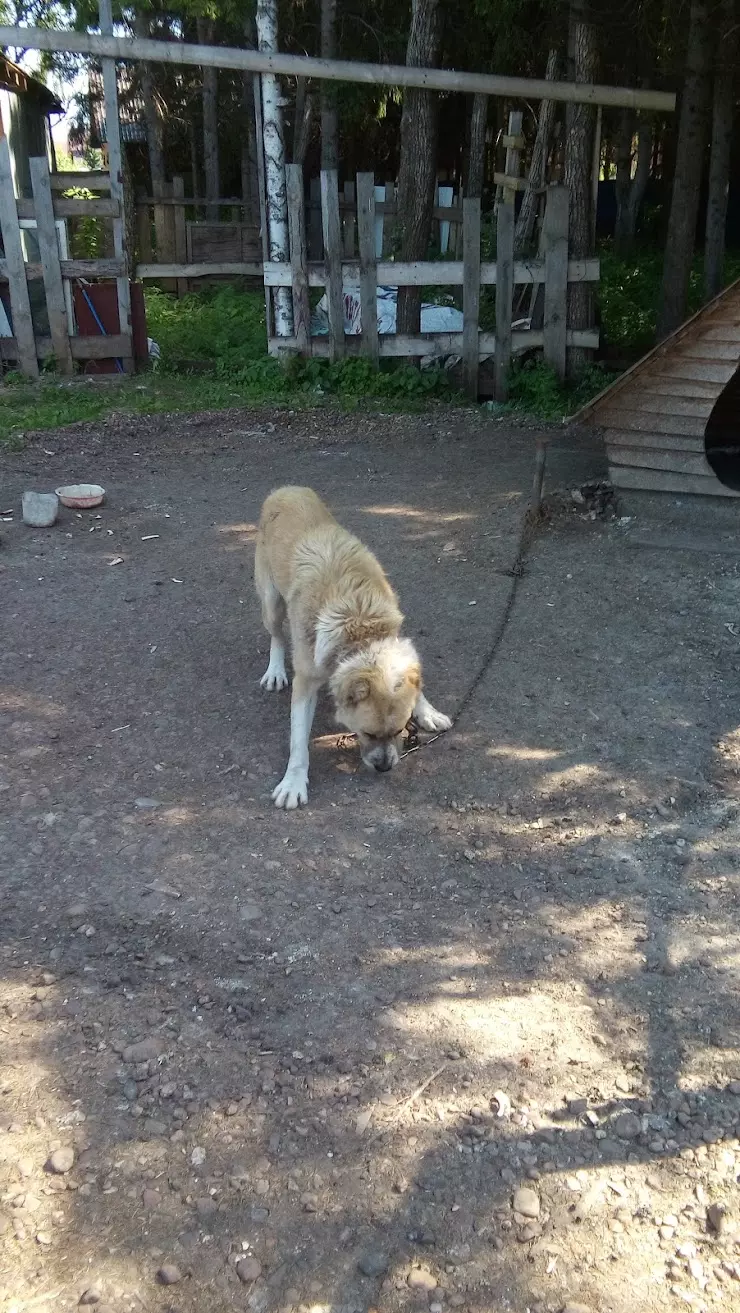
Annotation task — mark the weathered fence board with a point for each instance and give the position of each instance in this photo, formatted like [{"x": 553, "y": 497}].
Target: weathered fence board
[
  {"x": 368, "y": 263},
  {"x": 471, "y": 294},
  {"x": 298, "y": 255},
  {"x": 20, "y": 305},
  {"x": 555, "y": 244},
  {"x": 48, "y": 241},
  {"x": 332, "y": 235}
]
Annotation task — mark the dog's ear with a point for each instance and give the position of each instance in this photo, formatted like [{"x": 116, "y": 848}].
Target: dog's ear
[{"x": 357, "y": 690}]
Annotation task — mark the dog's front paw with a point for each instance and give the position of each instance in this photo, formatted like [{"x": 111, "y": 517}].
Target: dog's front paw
[
  {"x": 432, "y": 721},
  {"x": 292, "y": 791},
  {"x": 274, "y": 678}
]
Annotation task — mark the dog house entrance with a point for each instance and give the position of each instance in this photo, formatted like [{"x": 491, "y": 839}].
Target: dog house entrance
[{"x": 722, "y": 435}]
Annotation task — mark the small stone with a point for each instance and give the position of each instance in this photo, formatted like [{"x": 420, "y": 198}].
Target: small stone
[
  {"x": 151, "y": 1199},
  {"x": 61, "y": 1161},
  {"x": 248, "y": 1269},
  {"x": 310, "y": 1203},
  {"x": 666, "y": 1232},
  {"x": 420, "y": 1279},
  {"x": 206, "y": 1206},
  {"x": 530, "y": 1232},
  {"x": 734, "y": 1087},
  {"x": 146, "y": 804},
  {"x": 373, "y": 1264},
  {"x": 43, "y": 1238},
  {"x": 717, "y": 1218},
  {"x": 90, "y": 1296},
  {"x": 250, "y": 912},
  {"x": 198, "y": 1156},
  {"x": 169, "y": 1275},
  {"x": 627, "y": 1126},
  {"x": 526, "y": 1202},
  {"x": 577, "y": 1308},
  {"x": 40, "y": 509},
  {"x": 145, "y": 1050}
]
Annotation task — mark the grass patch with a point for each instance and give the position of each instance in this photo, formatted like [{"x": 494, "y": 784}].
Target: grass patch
[{"x": 536, "y": 390}]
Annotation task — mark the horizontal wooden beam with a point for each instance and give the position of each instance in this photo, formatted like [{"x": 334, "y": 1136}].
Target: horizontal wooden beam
[
  {"x": 73, "y": 207},
  {"x": 75, "y": 269},
  {"x": 426, "y": 273},
  {"x": 335, "y": 70},
  {"x": 83, "y": 348},
  {"x": 237, "y": 269},
  {"x": 92, "y": 180},
  {"x": 395, "y": 345}
]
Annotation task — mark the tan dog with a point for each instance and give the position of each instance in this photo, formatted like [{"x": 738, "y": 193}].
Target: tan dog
[{"x": 344, "y": 624}]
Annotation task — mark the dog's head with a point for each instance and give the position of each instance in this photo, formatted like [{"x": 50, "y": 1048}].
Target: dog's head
[{"x": 375, "y": 692}]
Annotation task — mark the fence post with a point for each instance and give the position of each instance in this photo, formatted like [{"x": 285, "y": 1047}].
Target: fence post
[
  {"x": 50, "y": 267},
  {"x": 471, "y": 294},
  {"x": 298, "y": 260},
  {"x": 333, "y": 260},
  {"x": 115, "y": 164},
  {"x": 314, "y": 219},
  {"x": 349, "y": 224},
  {"x": 505, "y": 262},
  {"x": 143, "y": 228},
  {"x": 368, "y": 265},
  {"x": 20, "y": 305},
  {"x": 181, "y": 244},
  {"x": 555, "y": 244}
]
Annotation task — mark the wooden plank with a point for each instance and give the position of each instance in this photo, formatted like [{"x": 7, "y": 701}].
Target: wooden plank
[
  {"x": 429, "y": 273},
  {"x": 90, "y": 180},
  {"x": 649, "y": 403},
  {"x": 332, "y": 234},
  {"x": 637, "y": 421},
  {"x": 313, "y": 223},
  {"x": 504, "y": 299},
  {"x": 624, "y": 476},
  {"x": 368, "y": 270},
  {"x": 237, "y": 269},
  {"x": 20, "y": 305},
  {"x": 71, "y": 269},
  {"x": 703, "y": 350},
  {"x": 702, "y": 371},
  {"x": 398, "y": 345},
  {"x": 48, "y": 241},
  {"x": 298, "y": 256},
  {"x": 100, "y": 348},
  {"x": 336, "y": 70},
  {"x": 657, "y": 458},
  {"x": 181, "y": 244},
  {"x": 72, "y": 207},
  {"x": 348, "y": 215},
  {"x": 115, "y": 164},
  {"x": 471, "y": 294},
  {"x": 555, "y": 246},
  {"x": 682, "y": 387},
  {"x": 728, "y": 332},
  {"x": 662, "y": 441}
]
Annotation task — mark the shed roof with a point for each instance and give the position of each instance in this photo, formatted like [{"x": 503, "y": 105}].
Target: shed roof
[{"x": 16, "y": 79}]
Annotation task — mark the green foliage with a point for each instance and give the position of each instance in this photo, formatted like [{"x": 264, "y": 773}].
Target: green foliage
[
  {"x": 535, "y": 389},
  {"x": 629, "y": 293}
]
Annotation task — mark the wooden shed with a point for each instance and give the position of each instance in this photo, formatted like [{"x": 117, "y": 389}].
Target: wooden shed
[
  {"x": 25, "y": 106},
  {"x": 672, "y": 422}
]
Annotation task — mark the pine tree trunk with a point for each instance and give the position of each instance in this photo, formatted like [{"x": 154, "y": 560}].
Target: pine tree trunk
[
  {"x": 693, "y": 132},
  {"x": 477, "y": 145},
  {"x": 524, "y": 230},
  {"x": 418, "y": 159},
  {"x": 152, "y": 115},
  {"x": 274, "y": 148},
  {"x": 329, "y": 115},
  {"x": 210, "y": 124},
  {"x": 639, "y": 183},
  {"x": 719, "y": 166},
  {"x": 623, "y": 181},
  {"x": 580, "y": 123}
]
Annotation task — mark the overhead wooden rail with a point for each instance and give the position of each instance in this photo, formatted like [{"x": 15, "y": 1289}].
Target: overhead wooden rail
[{"x": 334, "y": 70}]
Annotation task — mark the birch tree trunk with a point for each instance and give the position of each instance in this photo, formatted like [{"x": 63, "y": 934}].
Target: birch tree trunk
[
  {"x": 210, "y": 125},
  {"x": 719, "y": 165},
  {"x": 418, "y": 161},
  {"x": 693, "y": 133},
  {"x": 580, "y": 123},
  {"x": 329, "y": 116},
  {"x": 274, "y": 148},
  {"x": 524, "y": 230}
]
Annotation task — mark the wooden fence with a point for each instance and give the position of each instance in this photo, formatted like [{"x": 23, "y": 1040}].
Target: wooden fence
[
  {"x": 41, "y": 214},
  {"x": 552, "y": 272}
]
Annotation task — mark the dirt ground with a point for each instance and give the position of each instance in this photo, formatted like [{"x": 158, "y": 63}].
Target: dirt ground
[{"x": 465, "y": 1036}]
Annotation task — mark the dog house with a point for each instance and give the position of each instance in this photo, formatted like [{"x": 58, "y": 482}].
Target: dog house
[{"x": 672, "y": 422}]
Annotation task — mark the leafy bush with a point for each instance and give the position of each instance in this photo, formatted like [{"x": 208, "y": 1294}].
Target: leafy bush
[{"x": 535, "y": 389}]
